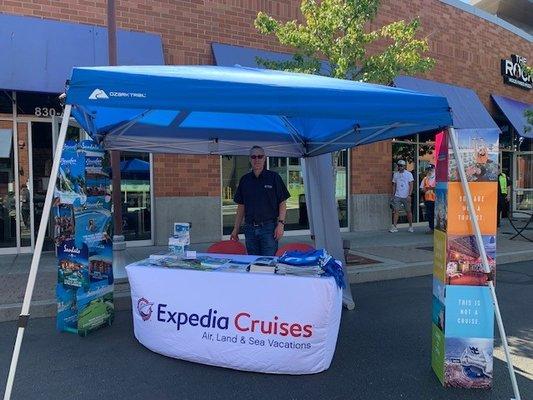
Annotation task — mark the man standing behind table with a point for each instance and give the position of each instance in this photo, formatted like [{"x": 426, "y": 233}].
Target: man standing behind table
[
  {"x": 261, "y": 200},
  {"x": 402, "y": 188}
]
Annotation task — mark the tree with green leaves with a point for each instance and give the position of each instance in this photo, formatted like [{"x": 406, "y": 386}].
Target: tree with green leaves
[{"x": 338, "y": 31}]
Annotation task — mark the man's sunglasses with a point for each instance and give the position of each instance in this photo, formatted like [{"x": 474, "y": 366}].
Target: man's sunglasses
[{"x": 258, "y": 157}]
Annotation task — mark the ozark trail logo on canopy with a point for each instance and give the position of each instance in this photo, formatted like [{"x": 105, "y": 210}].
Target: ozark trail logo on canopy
[
  {"x": 144, "y": 307},
  {"x": 98, "y": 94}
]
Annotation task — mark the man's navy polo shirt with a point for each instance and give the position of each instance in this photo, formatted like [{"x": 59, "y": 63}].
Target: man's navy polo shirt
[{"x": 261, "y": 196}]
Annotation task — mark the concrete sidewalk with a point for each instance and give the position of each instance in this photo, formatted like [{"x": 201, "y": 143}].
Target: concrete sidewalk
[{"x": 373, "y": 256}]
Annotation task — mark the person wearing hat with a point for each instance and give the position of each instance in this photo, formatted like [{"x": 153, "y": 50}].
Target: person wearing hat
[
  {"x": 402, "y": 188},
  {"x": 427, "y": 187}
]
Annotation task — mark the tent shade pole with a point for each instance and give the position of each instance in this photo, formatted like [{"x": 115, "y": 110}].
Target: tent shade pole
[
  {"x": 24, "y": 314},
  {"x": 483, "y": 254},
  {"x": 322, "y": 213}
]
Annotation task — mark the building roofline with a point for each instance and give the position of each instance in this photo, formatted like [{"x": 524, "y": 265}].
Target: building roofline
[{"x": 489, "y": 17}]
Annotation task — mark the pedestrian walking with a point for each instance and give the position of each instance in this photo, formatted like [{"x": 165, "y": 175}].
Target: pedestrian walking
[{"x": 402, "y": 189}]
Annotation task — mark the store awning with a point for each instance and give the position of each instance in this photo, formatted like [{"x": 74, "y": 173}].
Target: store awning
[
  {"x": 514, "y": 111},
  {"x": 467, "y": 110},
  {"x": 6, "y": 136},
  {"x": 38, "y": 54}
]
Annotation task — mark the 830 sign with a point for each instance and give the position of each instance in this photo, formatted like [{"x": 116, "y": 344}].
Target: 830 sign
[{"x": 46, "y": 112}]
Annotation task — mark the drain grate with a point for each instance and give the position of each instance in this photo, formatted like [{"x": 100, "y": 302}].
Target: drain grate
[{"x": 355, "y": 259}]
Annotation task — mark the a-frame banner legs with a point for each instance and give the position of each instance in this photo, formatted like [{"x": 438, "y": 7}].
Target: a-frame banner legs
[
  {"x": 25, "y": 313},
  {"x": 483, "y": 254}
]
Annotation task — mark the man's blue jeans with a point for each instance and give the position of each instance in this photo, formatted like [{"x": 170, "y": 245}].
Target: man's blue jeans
[{"x": 260, "y": 239}]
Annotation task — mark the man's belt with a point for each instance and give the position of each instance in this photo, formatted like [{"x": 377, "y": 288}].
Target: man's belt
[{"x": 261, "y": 223}]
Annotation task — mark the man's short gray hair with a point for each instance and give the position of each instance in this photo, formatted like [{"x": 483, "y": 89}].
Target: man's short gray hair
[{"x": 257, "y": 148}]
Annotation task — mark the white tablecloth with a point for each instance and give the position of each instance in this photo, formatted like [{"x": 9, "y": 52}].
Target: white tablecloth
[{"x": 246, "y": 321}]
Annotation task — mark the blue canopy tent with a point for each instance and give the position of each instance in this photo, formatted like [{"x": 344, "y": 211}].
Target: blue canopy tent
[
  {"x": 221, "y": 110},
  {"x": 226, "y": 110}
]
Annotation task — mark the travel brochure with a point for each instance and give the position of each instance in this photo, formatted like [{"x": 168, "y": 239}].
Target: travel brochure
[{"x": 82, "y": 235}]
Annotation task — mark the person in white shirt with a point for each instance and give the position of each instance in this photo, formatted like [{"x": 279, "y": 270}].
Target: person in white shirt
[{"x": 402, "y": 188}]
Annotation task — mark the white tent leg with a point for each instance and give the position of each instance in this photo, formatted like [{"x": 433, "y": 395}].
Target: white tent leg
[
  {"x": 24, "y": 314},
  {"x": 486, "y": 267}
]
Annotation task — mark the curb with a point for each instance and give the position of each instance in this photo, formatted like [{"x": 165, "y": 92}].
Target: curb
[{"x": 356, "y": 274}]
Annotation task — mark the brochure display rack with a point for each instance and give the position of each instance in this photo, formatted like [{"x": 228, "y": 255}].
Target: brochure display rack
[{"x": 82, "y": 235}]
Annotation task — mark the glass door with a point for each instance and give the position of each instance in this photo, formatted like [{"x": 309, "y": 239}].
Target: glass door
[
  {"x": 8, "y": 209},
  {"x": 136, "y": 196},
  {"x": 41, "y": 156}
]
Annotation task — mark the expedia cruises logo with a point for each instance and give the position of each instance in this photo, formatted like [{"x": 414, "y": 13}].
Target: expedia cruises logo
[
  {"x": 98, "y": 94},
  {"x": 144, "y": 307}
]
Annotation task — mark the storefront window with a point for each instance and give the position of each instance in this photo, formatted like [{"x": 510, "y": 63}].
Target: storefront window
[
  {"x": 290, "y": 170},
  {"x": 418, "y": 154},
  {"x": 136, "y": 201},
  {"x": 340, "y": 161},
  {"x": 524, "y": 182}
]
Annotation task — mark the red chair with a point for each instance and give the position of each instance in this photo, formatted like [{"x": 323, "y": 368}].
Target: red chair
[
  {"x": 227, "y": 247},
  {"x": 302, "y": 247}
]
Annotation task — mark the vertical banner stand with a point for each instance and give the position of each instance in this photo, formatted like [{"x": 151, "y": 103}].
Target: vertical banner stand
[
  {"x": 486, "y": 267},
  {"x": 24, "y": 314}
]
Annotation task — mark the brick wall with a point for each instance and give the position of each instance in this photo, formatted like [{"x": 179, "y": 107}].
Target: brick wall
[
  {"x": 187, "y": 175},
  {"x": 468, "y": 52}
]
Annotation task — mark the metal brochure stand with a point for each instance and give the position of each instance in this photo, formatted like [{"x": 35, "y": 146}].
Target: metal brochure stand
[
  {"x": 486, "y": 267},
  {"x": 25, "y": 312}
]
